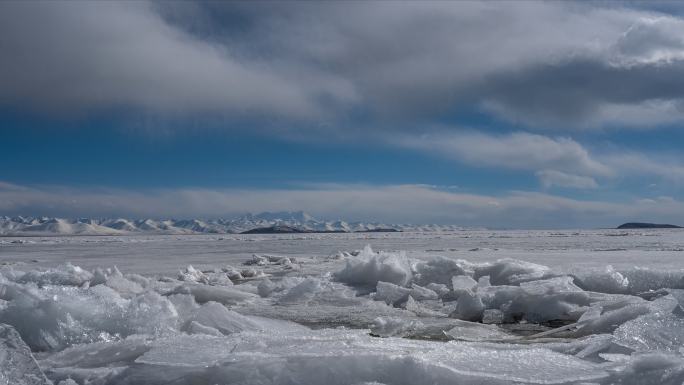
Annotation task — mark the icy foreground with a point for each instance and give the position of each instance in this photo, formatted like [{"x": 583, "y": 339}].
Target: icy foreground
[{"x": 349, "y": 318}]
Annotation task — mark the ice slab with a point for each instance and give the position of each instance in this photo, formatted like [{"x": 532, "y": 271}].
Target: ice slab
[
  {"x": 473, "y": 331},
  {"x": 440, "y": 270},
  {"x": 511, "y": 271},
  {"x": 319, "y": 357},
  {"x": 67, "y": 274},
  {"x": 17, "y": 365},
  {"x": 221, "y": 294},
  {"x": 390, "y": 293},
  {"x": 469, "y": 307},
  {"x": 368, "y": 268}
]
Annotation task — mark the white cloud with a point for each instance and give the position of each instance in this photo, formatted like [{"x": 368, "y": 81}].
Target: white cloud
[
  {"x": 551, "y": 178},
  {"x": 650, "y": 40},
  {"x": 389, "y": 203},
  {"x": 556, "y": 161},
  {"x": 633, "y": 164},
  {"x": 518, "y": 151}
]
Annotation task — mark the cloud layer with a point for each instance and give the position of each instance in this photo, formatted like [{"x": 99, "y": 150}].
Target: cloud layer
[
  {"x": 583, "y": 64},
  {"x": 389, "y": 203},
  {"x": 540, "y": 78},
  {"x": 517, "y": 151}
]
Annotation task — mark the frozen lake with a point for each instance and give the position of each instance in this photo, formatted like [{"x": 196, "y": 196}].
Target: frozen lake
[
  {"x": 165, "y": 254},
  {"x": 463, "y": 307}
]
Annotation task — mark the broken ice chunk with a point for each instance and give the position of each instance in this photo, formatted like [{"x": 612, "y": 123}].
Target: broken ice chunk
[
  {"x": 511, "y": 271},
  {"x": 439, "y": 288},
  {"x": 551, "y": 285},
  {"x": 469, "y": 307},
  {"x": 251, "y": 273},
  {"x": 483, "y": 282},
  {"x": 99, "y": 354},
  {"x": 194, "y": 327},
  {"x": 420, "y": 293},
  {"x": 221, "y": 294},
  {"x": 218, "y": 317},
  {"x": 17, "y": 365},
  {"x": 650, "y": 368},
  {"x": 232, "y": 273},
  {"x": 302, "y": 293},
  {"x": 266, "y": 287},
  {"x": 462, "y": 283},
  {"x": 125, "y": 287},
  {"x": 369, "y": 268},
  {"x": 439, "y": 270},
  {"x": 611, "y": 320},
  {"x": 473, "y": 331},
  {"x": 492, "y": 316},
  {"x": 390, "y": 293},
  {"x": 63, "y": 275},
  {"x": 418, "y": 309},
  {"x": 655, "y": 331},
  {"x": 394, "y": 327},
  {"x": 607, "y": 280},
  {"x": 257, "y": 260},
  {"x": 190, "y": 274}
]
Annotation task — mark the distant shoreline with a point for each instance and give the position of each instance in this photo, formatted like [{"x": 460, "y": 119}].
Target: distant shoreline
[{"x": 645, "y": 225}]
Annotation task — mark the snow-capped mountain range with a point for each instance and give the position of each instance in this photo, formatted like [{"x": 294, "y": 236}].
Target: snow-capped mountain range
[{"x": 27, "y": 226}]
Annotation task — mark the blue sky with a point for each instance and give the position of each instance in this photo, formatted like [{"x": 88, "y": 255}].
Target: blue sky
[{"x": 500, "y": 114}]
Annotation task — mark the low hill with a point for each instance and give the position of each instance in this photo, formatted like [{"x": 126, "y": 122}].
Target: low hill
[
  {"x": 639, "y": 225},
  {"x": 276, "y": 230}
]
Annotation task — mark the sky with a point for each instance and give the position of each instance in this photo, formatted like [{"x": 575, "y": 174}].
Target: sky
[{"x": 498, "y": 114}]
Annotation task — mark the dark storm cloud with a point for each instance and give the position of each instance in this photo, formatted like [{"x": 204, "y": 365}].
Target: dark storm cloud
[
  {"x": 589, "y": 93},
  {"x": 561, "y": 63},
  {"x": 63, "y": 56}
]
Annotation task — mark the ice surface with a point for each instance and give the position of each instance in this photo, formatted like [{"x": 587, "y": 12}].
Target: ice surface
[
  {"x": 659, "y": 327},
  {"x": 574, "y": 321},
  {"x": 318, "y": 357},
  {"x": 650, "y": 368}
]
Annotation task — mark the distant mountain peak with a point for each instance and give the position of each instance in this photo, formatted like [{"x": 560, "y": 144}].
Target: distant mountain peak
[{"x": 264, "y": 222}]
